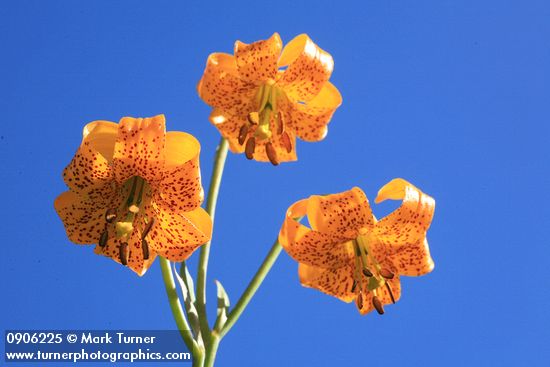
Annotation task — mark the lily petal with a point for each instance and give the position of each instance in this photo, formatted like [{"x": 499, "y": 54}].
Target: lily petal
[
  {"x": 84, "y": 219},
  {"x": 180, "y": 188},
  {"x": 139, "y": 149},
  {"x": 257, "y": 61},
  {"x": 229, "y": 127},
  {"x": 335, "y": 282},
  {"x": 312, "y": 247},
  {"x": 221, "y": 85},
  {"x": 176, "y": 236},
  {"x": 309, "y": 68},
  {"x": 89, "y": 167},
  {"x": 344, "y": 213},
  {"x": 310, "y": 120},
  {"x": 403, "y": 232}
]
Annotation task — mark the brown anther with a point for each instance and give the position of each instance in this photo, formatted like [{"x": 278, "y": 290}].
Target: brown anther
[
  {"x": 377, "y": 305},
  {"x": 388, "y": 287},
  {"x": 147, "y": 228},
  {"x": 354, "y": 286},
  {"x": 386, "y": 273},
  {"x": 243, "y": 133},
  {"x": 280, "y": 124},
  {"x": 110, "y": 215},
  {"x": 145, "y": 248},
  {"x": 286, "y": 142},
  {"x": 367, "y": 273},
  {"x": 359, "y": 301},
  {"x": 123, "y": 253},
  {"x": 253, "y": 118},
  {"x": 104, "y": 238},
  {"x": 250, "y": 148},
  {"x": 271, "y": 154}
]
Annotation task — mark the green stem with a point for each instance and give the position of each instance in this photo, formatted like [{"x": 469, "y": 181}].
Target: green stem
[
  {"x": 253, "y": 286},
  {"x": 215, "y": 180},
  {"x": 211, "y": 352},
  {"x": 175, "y": 306}
]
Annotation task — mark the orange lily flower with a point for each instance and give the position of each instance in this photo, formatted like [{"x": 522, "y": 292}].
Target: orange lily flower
[
  {"x": 348, "y": 254},
  {"x": 261, "y": 108},
  {"x": 135, "y": 191}
]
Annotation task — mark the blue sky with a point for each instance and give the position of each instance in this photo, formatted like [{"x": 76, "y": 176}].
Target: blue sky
[{"x": 451, "y": 95}]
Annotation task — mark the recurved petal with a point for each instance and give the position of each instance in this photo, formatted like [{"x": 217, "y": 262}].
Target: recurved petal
[
  {"x": 310, "y": 120},
  {"x": 133, "y": 253},
  {"x": 222, "y": 87},
  {"x": 180, "y": 189},
  {"x": 335, "y": 282},
  {"x": 403, "y": 232},
  {"x": 343, "y": 213},
  {"x": 176, "y": 236},
  {"x": 229, "y": 127},
  {"x": 309, "y": 68},
  {"x": 139, "y": 148},
  {"x": 84, "y": 219},
  {"x": 89, "y": 167},
  {"x": 257, "y": 61},
  {"x": 312, "y": 247}
]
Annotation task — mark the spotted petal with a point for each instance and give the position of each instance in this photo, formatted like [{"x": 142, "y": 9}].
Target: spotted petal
[
  {"x": 257, "y": 61},
  {"x": 335, "y": 282},
  {"x": 310, "y": 120},
  {"x": 344, "y": 213},
  {"x": 139, "y": 149},
  {"x": 309, "y": 68},
  {"x": 222, "y": 87},
  {"x": 180, "y": 189},
  {"x": 89, "y": 169},
  {"x": 403, "y": 232}
]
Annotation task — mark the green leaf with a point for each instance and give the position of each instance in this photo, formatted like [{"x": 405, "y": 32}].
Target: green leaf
[{"x": 223, "y": 306}]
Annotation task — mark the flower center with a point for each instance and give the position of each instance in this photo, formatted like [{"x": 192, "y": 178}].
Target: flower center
[
  {"x": 369, "y": 270},
  {"x": 266, "y": 123},
  {"x": 124, "y": 226}
]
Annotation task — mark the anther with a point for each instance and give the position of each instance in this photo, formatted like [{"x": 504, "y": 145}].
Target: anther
[
  {"x": 104, "y": 238},
  {"x": 253, "y": 118},
  {"x": 359, "y": 301},
  {"x": 250, "y": 147},
  {"x": 271, "y": 154},
  {"x": 386, "y": 273},
  {"x": 243, "y": 132},
  {"x": 353, "y": 286},
  {"x": 281, "y": 123},
  {"x": 388, "y": 287},
  {"x": 145, "y": 248},
  {"x": 377, "y": 305},
  {"x": 286, "y": 142},
  {"x": 147, "y": 228},
  {"x": 367, "y": 273},
  {"x": 110, "y": 215},
  {"x": 123, "y": 255}
]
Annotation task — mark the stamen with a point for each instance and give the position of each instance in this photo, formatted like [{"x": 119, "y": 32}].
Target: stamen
[
  {"x": 253, "y": 118},
  {"x": 359, "y": 300},
  {"x": 250, "y": 148},
  {"x": 243, "y": 132},
  {"x": 104, "y": 238},
  {"x": 386, "y": 273},
  {"x": 388, "y": 287},
  {"x": 145, "y": 248},
  {"x": 367, "y": 273},
  {"x": 378, "y": 305},
  {"x": 280, "y": 123},
  {"x": 286, "y": 142},
  {"x": 354, "y": 286},
  {"x": 123, "y": 253},
  {"x": 110, "y": 215},
  {"x": 147, "y": 228},
  {"x": 271, "y": 154}
]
